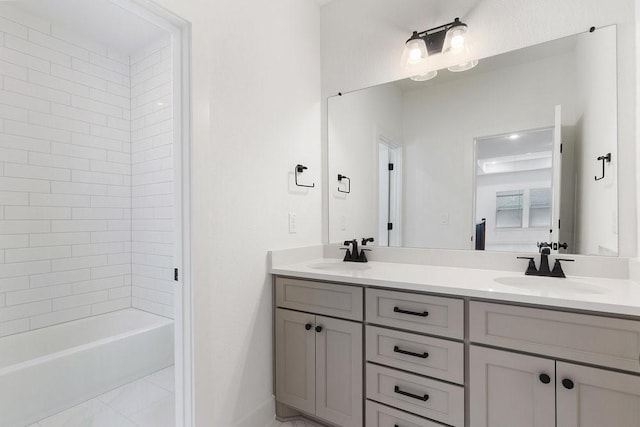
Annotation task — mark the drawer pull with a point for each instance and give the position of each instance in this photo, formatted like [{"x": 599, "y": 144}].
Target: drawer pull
[
  {"x": 308, "y": 326},
  {"x": 397, "y": 349},
  {"x": 412, "y": 313},
  {"x": 424, "y": 398},
  {"x": 567, "y": 383}
]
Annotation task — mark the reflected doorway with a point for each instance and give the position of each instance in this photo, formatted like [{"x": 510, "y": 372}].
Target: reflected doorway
[{"x": 389, "y": 192}]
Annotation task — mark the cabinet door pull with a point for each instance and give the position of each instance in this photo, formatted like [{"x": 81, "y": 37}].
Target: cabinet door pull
[
  {"x": 424, "y": 398},
  {"x": 318, "y": 328},
  {"x": 413, "y": 313},
  {"x": 545, "y": 379},
  {"x": 567, "y": 383},
  {"x": 308, "y": 326},
  {"x": 397, "y": 349}
]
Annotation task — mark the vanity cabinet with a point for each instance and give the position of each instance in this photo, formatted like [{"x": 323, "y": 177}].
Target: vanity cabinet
[
  {"x": 357, "y": 355},
  {"x": 411, "y": 371},
  {"x": 319, "y": 359},
  {"x": 508, "y": 388}
]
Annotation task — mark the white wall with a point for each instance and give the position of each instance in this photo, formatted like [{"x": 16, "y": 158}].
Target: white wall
[
  {"x": 362, "y": 43},
  {"x": 358, "y": 120},
  {"x": 64, "y": 176},
  {"x": 152, "y": 179},
  {"x": 256, "y": 113}
]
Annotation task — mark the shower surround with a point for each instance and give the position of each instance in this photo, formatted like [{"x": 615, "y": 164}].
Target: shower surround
[{"x": 86, "y": 176}]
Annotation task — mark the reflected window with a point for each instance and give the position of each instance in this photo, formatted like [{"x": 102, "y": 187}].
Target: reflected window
[
  {"x": 540, "y": 207},
  {"x": 509, "y": 206}
]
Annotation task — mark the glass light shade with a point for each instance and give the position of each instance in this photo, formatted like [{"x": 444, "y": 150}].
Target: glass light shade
[
  {"x": 424, "y": 76},
  {"x": 464, "y": 66},
  {"x": 457, "y": 40},
  {"x": 415, "y": 51}
]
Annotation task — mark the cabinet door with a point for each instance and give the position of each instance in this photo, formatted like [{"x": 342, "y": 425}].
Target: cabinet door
[
  {"x": 295, "y": 360},
  {"x": 590, "y": 397},
  {"x": 339, "y": 372},
  {"x": 507, "y": 390}
]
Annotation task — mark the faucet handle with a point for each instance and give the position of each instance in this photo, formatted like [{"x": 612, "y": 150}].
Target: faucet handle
[
  {"x": 531, "y": 268},
  {"x": 557, "y": 267},
  {"x": 366, "y": 240}
]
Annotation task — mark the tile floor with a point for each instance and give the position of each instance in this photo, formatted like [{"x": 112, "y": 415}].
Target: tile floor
[{"x": 147, "y": 402}]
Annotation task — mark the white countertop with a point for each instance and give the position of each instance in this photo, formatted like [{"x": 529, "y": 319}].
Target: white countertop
[{"x": 615, "y": 296}]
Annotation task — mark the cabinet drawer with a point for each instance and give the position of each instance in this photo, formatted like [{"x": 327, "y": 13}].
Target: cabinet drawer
[
  {"x": 581, "y": 337},
  {"x": 428, "y": 356},
  {"x": 322, "y": 298},
  {"x": 382, "y": 416},
  {"x": 423, "y": 396},
  {"x": 415, "y": 312}
]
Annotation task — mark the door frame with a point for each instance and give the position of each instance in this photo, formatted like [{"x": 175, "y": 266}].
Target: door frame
[
  {"x": 180, "y": 31},
  {"x": 395, "y": 184},
  {"x": 495, "y": 132}
]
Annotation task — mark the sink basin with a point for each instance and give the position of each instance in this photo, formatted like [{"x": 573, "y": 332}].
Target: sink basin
[
  {"x": 340, "y": 266},
  {"x": 552, "y": 284}
]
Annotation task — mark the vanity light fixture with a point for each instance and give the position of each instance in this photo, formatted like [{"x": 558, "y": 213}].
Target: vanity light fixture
[
  {"x": 449, "y": 39},
  {"x": 424, "y": 76},
  {"x": 463, "y": 67}
]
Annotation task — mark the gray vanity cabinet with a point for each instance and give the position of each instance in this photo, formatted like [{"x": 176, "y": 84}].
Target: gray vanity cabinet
[
  {"x": 598, "y": 397},
  {"x": 319, "y": 359},
  {"x": 508, "y": 388},
  {"x": 296, "y": 360}
]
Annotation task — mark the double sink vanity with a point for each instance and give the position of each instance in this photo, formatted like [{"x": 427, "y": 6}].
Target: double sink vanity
[{"x": 392, "y": 344}]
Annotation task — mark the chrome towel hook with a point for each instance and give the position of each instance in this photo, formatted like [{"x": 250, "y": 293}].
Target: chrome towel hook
[{"x": 603, "y": 159}]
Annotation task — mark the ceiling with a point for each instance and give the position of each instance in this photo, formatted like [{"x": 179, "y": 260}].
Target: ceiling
[
  {"x": 100, "y": 20},
  {"x": 521, "y": 143}
]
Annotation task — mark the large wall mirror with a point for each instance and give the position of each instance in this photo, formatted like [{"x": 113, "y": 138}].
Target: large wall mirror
[{"x": 520, "y": 150}]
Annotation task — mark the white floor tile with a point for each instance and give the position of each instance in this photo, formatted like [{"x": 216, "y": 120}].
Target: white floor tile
[
  {"x": 160, "y": 414},
  {"x": 164, "y": 378},
  {"x": 134, "y": 397},
  {"x": 89, "y": 414}
]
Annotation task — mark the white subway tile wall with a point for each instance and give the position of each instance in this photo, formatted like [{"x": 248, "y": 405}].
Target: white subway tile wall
[
  {"x": 152, "y": 179},
  {"x": 86, "y": 176}
]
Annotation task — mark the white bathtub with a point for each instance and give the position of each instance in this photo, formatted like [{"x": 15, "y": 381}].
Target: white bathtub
[{"x": 45, "y": 371}]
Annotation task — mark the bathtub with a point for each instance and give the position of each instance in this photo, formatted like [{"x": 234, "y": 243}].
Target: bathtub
[{"x": 47, "y": 370}]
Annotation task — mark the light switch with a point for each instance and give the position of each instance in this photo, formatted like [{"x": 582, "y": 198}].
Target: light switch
[
  {"x": 343, "y": 222},
  {"x": 444, "y": 219},
  {"x": 293, "y": 223}
]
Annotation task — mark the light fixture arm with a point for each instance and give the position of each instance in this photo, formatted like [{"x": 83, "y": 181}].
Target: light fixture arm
[
  {"x": 439, "y": 28},
  {"x": 434, "y": 37}
]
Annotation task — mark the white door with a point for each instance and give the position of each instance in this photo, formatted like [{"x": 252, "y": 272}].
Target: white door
[
  {"x": 510, "y": 390},
  {"x": 295, "y": 359},
  {"x": 339, "y": 371},
  {"x": 590, "y": 397},
  {"x": 557, "y": 177}
]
